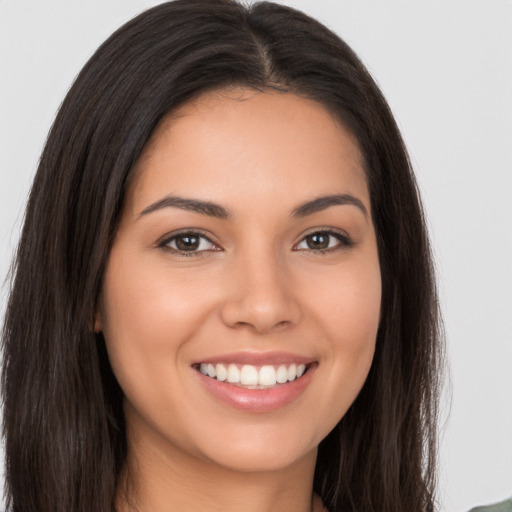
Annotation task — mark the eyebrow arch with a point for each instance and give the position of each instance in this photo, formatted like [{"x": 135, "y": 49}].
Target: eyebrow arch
[
  {"x": 193, "y": 205},
  {"x": 215, "y": 210},
  {"x": 322, "y": 203}
]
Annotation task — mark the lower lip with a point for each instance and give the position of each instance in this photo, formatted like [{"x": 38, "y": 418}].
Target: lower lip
[{"x": 257, "y": 400}]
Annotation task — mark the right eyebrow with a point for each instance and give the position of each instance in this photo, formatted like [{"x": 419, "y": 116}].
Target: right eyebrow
[
  {"x": 324, "y": 202},
  {"x": 193, "y": 205}
]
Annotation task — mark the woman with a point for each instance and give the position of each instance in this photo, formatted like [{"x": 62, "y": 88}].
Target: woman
[{"x": 223, "y": 294}]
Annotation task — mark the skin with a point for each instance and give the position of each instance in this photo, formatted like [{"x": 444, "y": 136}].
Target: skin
[{"x": 258, "y": 287}]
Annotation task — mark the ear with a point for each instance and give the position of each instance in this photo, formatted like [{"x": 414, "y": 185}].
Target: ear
[
  {"x": 98, "y": 320},
  {"x": 98, "y": 324}
]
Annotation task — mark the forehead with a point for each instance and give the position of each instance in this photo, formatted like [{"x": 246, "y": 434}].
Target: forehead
[{"x": 232, "y": 142}]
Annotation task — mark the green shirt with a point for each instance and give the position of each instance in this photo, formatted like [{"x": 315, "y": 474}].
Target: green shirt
[{"x": 503, "y": 506}]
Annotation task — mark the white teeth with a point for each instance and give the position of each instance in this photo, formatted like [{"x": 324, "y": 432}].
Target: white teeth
[
  {"x": 267, "y": 376},
  {"x": 282, "y": 374},
  {"x": 249, "y": 375},
  {"x": 233, "y": 374},
  {"x": 222, "y": 373},
  {"x": 211, "y": 371}
]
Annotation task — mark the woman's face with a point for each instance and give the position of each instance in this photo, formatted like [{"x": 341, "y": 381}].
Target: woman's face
[{"x": 246, "y": 251}]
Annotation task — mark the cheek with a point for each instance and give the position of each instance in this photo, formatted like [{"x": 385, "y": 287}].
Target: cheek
[
  {"x": 349, "y": 313},
  {"x": 146, "y": 318},
  {"x": 357, "y": 314},
  {"x": 347, "y": 302},
  {"x": 147, "y": 303}
]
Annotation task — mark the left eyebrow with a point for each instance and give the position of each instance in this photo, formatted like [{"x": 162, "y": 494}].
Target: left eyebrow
[
  {"x": 324, "y": 202},
  {"x": 193, "y": 205}
]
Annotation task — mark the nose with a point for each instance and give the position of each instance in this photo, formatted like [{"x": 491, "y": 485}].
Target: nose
[{"x": 261, "y": 296}]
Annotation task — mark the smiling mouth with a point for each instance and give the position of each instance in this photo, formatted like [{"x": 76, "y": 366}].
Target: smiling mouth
[{"x": 253, "y": 377}]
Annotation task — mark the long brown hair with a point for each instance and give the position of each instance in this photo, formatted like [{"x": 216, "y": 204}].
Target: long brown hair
[{"x": 63, "y": 421}]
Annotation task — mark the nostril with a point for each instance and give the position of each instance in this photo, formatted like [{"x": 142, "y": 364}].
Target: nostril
[{"x": 261, "y": 311}]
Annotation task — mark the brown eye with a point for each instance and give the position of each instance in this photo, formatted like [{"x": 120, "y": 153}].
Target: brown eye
[
  {"x": 318, "y": 241},
  {"x": 324, "y": 241},
  {"x": 188, "y": 243}
]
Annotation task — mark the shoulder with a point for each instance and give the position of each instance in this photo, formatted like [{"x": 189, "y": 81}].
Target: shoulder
[{"x": 502, "y": 506}]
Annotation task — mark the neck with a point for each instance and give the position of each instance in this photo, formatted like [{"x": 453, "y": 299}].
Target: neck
[{"x": 162, "y": 478}]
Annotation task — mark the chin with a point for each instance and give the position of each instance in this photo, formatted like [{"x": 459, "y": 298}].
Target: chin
[
  {"x": 266, "y": 460},
  {"x": 260, "y": 450}
]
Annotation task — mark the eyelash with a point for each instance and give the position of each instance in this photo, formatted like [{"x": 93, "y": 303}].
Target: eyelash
[
  {"x": 164, "y": 244},
  {"x": 344, "y": 242}
]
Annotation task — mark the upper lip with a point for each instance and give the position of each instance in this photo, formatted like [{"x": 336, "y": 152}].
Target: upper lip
[{"x": 258, "y": 358}]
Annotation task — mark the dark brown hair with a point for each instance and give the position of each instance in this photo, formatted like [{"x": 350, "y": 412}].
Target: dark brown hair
[{"x": 63, "y": 420}]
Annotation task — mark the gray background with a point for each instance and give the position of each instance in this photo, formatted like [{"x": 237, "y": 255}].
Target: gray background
[{"x": 446, "y": 69}]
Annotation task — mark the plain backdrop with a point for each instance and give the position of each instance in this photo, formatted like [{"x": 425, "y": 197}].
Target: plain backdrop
[{"x": 446, "y": 70}]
